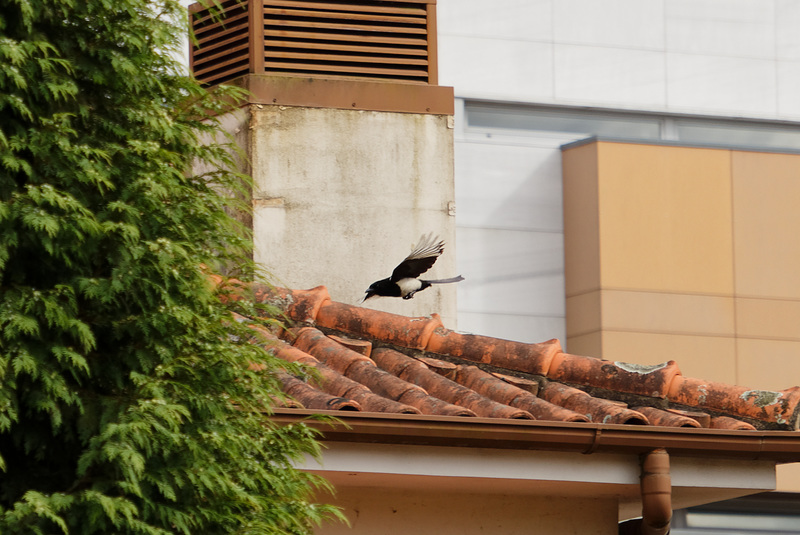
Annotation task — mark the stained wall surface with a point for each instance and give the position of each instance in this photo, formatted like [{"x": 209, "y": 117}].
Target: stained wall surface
[{"x": 341, "y": 197}]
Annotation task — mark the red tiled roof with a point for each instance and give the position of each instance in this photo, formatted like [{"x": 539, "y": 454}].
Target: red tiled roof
[{"x": 373, "y": 361}]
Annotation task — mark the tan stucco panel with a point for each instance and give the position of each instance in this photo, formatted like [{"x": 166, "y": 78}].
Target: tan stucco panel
[
  {"x": 767, "y": 224},
  {"x": 705, "y": 315},
  {"x": 582, "y": 247},
  {"x": 665, "y": 218},
  {"x": 788, "y": 476},
  {"x": 705, "y": 357},
  {"x": 585, "y": 313},
  {"x": 768, "y": 364},
  {"x": 687, "y": 254},
  {"x": 585, "y": 344},
  {"x": 768, "y": 318}
]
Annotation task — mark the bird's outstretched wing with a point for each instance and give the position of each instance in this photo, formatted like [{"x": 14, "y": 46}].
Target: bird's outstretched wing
[{"x": 420, "y": 260}]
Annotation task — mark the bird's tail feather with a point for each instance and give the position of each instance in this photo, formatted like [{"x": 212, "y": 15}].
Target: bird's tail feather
[{"x": 444, "y": 281}]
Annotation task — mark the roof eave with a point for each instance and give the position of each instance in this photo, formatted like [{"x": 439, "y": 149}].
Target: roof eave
[{"x": 778, "y": 446}]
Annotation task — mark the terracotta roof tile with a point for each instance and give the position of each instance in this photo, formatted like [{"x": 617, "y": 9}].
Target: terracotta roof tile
[
  {"x": 779, "y": 407},
  {"x": 311, "y": 398},
  {"x": 725, "y": 422},
  {"x": 503, "y": 389},
  {"x": 330, "y": 351},
  {"x": 364, "y": 371},
  {"x": 390, "y": 363},
  {"x": 417, "y": 372},
  {"x": 412, "y": 333},
  {"x": 702, "y": 418},
  {"x": 667, "y": 418},
  {"x": 327, "y": 379},
  {"x": 618, "y": 376},
  {"x": 359, "y": 346},
  {"x": 530, "y": 358},
  {"x": 595, "y": 409}
]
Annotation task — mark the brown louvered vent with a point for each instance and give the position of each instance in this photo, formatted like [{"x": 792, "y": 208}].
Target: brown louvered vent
[
  {"x": 222, "y": 48},
  {"x": 374, "y": 40}
]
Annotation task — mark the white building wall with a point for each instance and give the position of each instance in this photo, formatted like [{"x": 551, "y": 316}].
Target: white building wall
[
  {"x": 736, "y": 58},
  {"x": 725, "y": 58},
  {"x": 510, "y": 233}
]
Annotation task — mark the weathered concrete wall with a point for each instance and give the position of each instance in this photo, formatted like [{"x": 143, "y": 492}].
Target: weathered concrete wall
[
  {"x": 234, "y": 127},
  {"x": 341, "y": 196}
]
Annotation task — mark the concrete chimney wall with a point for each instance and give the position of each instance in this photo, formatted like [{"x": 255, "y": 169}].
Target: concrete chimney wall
[
  {"x": 341, "y": 196},
  {"x": 349, "y": 139}
]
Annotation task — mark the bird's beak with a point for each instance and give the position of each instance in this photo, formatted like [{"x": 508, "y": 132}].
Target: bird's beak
[{"x": 366, "y": 297}]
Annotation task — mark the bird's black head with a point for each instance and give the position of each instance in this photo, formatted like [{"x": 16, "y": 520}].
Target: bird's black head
[
  {"x": 369, "y": 292},
  {"x": 385, "y": 288}
]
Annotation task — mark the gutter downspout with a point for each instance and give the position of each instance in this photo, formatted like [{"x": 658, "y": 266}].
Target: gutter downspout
[{"x": 656, "y": 488}]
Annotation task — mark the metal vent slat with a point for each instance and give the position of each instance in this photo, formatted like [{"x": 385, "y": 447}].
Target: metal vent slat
[
  {"x": 324, "y": 58},
  {"x": 386, "y": 40},
  {"x": 219, "y": 65},
  {"x": 221, "y": 50},
  {"x": 222, "y": 62},
  {"x": 305, "y": 13},
  {"x": 345, "y": 26},
  {"x": 218, "y": 41},
  {"x": 222, "y": 76},
  {"x": 312, "y": 45},
  {"x": 417, "y": 43},
  {"x": 288, "y": 67},
  {"x": 219, "y": 56},
  {"x": 235, "y": 21},
  {"x": 393, "y": 36},
  {"x": 406, "y": 8},
  {"x": 210, "y": 17},
  {"x": 211, "y": 33}
]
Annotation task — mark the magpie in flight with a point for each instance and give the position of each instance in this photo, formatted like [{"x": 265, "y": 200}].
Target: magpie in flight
[{"x": 404, "y": 282}]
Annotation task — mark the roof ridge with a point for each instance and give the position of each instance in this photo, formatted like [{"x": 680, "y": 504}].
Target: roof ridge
[{"x": 665, "y": 382}]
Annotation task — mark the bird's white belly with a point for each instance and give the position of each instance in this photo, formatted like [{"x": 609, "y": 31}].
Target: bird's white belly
[{"x": 408, "y": 285}]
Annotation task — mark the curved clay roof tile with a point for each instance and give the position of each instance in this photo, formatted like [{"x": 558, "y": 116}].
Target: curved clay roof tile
[
  {"x": 314, "y": 342},
  {"x": 666, "y": 418},
  {"x": 725, "y": 422},
  {"x": 645, "y": 380},
  {"x": 390, "y": 328},
  {"x": 409, "y": 385},
  {"x": 529, "y": 358},
  {"x": 781, "y": 407},
  {"x": 440, "y": 387},
  {"x": 596, "y": 409},
  {"x": 311, "y": 398},
  {"x": 501, "y": 391}
]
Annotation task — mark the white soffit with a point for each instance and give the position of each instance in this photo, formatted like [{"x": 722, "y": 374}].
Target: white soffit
[{"x": 497, "y": 471}]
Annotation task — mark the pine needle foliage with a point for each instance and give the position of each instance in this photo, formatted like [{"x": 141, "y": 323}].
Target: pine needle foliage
[{"x": 127, "y": 404}]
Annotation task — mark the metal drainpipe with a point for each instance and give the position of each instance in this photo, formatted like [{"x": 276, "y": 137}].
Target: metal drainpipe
[{"x": 656, "y": 488}]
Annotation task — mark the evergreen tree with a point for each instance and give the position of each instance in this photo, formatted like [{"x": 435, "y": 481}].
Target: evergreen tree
[{"x": 128, "y": 403}]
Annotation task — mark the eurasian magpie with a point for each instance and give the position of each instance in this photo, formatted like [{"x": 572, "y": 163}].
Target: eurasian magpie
[{"x": 404, "y": 282}]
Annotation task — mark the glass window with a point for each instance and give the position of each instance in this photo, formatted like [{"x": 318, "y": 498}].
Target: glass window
[
  {"x": 742, "y": 134},
  {"x": 589, "y": 123},
  {"x": 633, "y": 126},
  {"x": 744, "y": 522},
  {"x": 768, "y": 513}
]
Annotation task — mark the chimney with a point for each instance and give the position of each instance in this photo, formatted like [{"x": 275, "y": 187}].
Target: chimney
[{"x": 349, "y": 139}]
